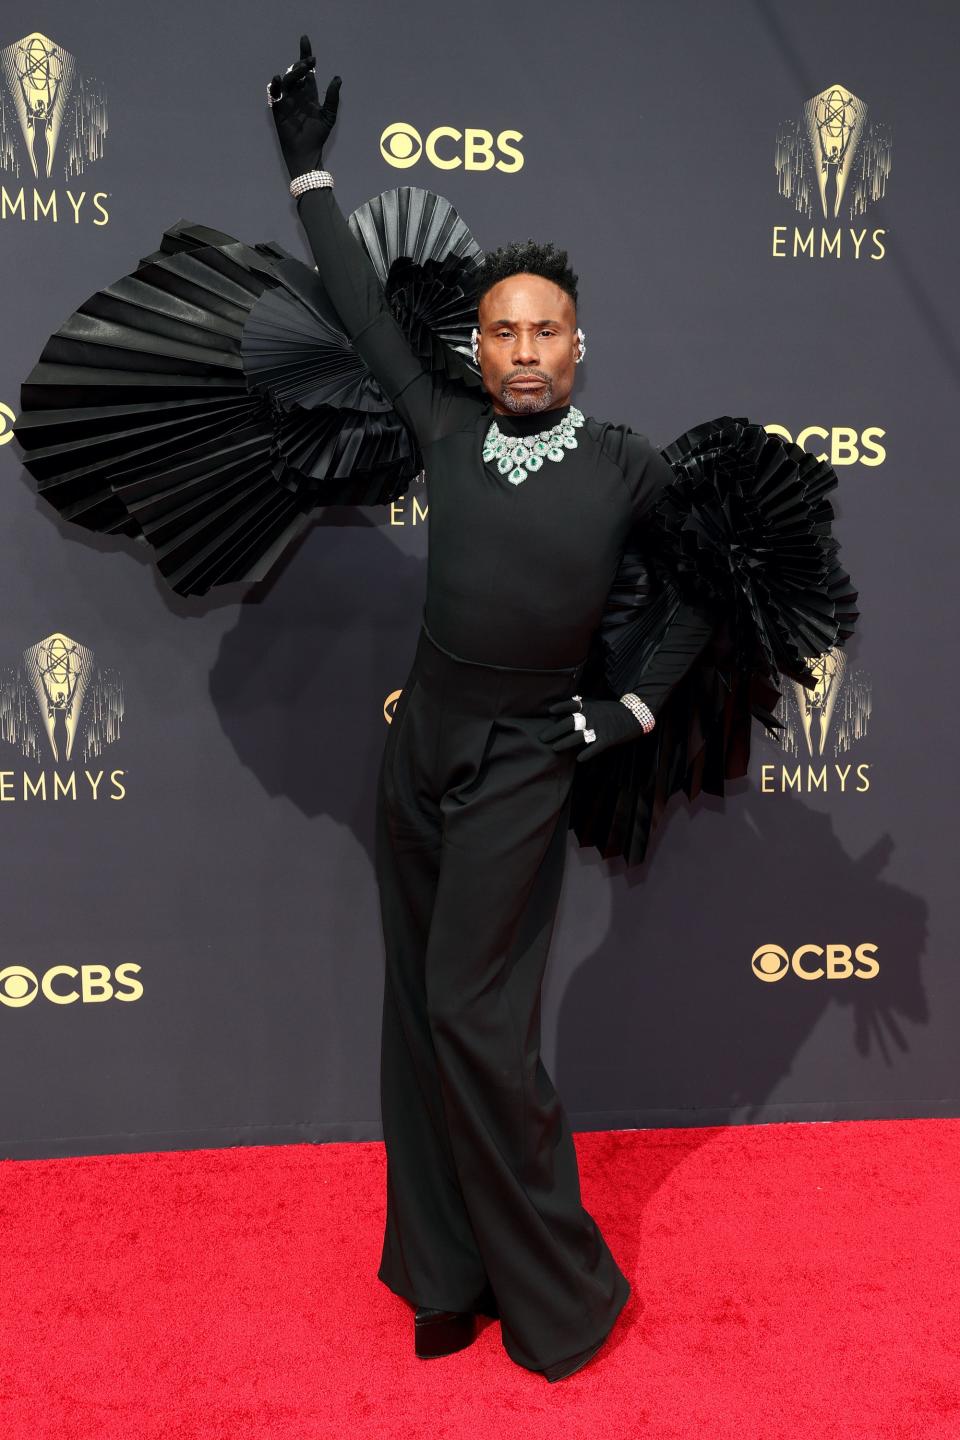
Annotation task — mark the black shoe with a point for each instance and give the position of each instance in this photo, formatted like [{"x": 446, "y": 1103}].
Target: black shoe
[
  {"x": 563, "y": 1368},
  {"x": 443, "y": 1332}
]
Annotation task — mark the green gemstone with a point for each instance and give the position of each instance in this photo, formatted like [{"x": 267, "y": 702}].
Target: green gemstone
[{"x": 522, "y": 457}]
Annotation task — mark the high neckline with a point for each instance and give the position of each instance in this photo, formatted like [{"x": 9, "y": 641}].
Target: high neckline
[{"x": 530, "y": 424}]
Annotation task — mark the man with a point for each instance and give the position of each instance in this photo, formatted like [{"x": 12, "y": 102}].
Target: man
[{"x": 530, "y": 506}]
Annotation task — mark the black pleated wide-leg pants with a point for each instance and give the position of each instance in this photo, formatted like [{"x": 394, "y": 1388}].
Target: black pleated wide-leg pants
[{"x": 483, "y": 1191}]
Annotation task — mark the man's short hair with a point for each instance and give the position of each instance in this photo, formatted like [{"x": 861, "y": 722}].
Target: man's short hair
[{"x": 526, "y": 257}]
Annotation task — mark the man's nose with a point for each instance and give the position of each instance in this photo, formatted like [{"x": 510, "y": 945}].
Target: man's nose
[{"x": 525, "y": 351}]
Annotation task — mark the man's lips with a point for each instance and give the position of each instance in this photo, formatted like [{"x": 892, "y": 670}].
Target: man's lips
[{"x": 526, "y": 384}]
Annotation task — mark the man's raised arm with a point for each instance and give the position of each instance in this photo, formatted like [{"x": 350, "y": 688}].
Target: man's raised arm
[
  {"x": 303, "y": 127},
  {"x": 352, "y": 284}
]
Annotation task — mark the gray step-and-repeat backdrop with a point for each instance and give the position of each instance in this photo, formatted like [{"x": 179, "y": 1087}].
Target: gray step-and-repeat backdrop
[{"x": 191, "y": 943}]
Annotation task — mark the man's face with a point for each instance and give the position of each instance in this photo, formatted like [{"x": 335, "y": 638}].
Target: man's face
[{"x": 527, "y": 330}]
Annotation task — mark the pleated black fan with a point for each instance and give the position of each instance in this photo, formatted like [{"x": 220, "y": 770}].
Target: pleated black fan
[
  {"x": 427, "y": 261},
  {"x": 743, "y": 534},
  {"x": 206, "y": 403},
  {"x": 746, "y": 529}
]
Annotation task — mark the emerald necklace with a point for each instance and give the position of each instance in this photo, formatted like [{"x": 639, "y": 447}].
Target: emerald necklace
[{"x": 522, "y": 454}]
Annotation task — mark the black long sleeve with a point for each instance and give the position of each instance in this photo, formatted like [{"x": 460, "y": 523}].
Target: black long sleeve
[
  {"x": 691, "y": 625},
  {"x": 516, "y": 575},
  {"x": 428, "y": 405},
  {"x": 686, "y": 636}
]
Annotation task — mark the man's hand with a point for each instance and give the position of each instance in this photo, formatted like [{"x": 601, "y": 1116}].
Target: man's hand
[
  {"x": 611, "y": 720},
  {"x": 303, "y": 124}
]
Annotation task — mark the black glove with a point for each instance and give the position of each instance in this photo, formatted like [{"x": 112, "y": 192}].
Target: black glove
[
  {"x": 613, "y": 722},
  {"x": 303, "y": 124}
]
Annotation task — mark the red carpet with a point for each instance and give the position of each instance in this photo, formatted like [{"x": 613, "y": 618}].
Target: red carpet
[{"x": 790, "y": 1281}]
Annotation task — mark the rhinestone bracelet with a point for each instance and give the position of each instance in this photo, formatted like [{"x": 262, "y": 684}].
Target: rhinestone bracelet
[
  {"x": 310, "y": 180},
  {"x": 640, "y": 709}
]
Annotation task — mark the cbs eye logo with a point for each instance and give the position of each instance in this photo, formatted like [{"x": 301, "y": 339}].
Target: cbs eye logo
[
  {"x": 19, "y": 986},
  {"x": 390, "y": 705},
  {"x": 402, "y": 146},
  {"x": 835, "y": 962}
]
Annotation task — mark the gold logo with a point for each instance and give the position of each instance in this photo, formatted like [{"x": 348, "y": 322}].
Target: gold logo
[
  {"x": 842, "y": 444},
  {"x": 53, "y": 119},
  {"x": 835, "y": 159},
  {"x": 57, "y": 704},
  {"x": 832, "y": 717},
  {"x": 447, "y": 148},
  {"x": 821, "y": 725},
  {"x": 390, "y": 705},
  {"x": 55, "y": 107},
  {"x": 833, "y": 152},
  {"x": 816, "y": 962},
  {"x": 400, "y": 145},
  {"x": 57, "y": 697},
  {"x": 66, "y": 984}
]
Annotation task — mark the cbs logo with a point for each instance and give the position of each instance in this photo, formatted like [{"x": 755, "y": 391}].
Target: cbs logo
[
  {"x": 847, "y": 446},
  {"x": 19, "y": 986},
  {"x": 836, "y": 962},
  {"x": 390, "y": 705},
  {"x": 448, "y": 148}
]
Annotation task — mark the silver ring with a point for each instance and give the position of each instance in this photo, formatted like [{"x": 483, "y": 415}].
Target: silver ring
[
  {"x": 579, "y": 700},
  {"x": 271, "y": 99},
  {"x": 589, "y": 736},
  {"x": 579, "y": 720}
]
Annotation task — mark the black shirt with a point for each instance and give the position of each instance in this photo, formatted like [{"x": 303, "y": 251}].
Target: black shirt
[{"x": 517, "y": 574}]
